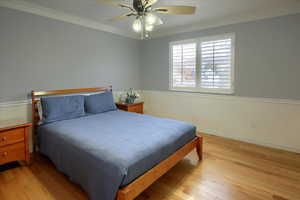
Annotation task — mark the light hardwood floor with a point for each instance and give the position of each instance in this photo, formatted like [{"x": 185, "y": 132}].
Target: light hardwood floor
[{"x": 230, "y": 170}]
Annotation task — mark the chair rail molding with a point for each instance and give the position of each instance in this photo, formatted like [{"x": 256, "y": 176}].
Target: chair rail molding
[{"x": 225, "y": 97}]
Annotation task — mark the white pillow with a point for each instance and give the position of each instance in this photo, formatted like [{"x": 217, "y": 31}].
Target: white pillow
[{"x": 40, "y": 112}]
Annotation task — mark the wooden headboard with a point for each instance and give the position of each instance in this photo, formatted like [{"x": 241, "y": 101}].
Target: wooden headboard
[{"x": 35, "y": 95}]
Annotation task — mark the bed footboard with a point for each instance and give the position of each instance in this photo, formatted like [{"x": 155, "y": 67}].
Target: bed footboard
[{"x": 132, "y": 190}]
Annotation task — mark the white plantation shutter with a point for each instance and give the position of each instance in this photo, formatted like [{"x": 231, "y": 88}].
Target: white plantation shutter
[
  {"x": 184, "y": 65},
  {"x": 203, "y": 64},
  {"x": 216, "y": 61}
]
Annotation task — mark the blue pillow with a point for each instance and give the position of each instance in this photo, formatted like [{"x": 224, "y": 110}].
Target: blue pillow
[
  {"x": 62, "y": 108},
  {"x": 99, "y": 103}
]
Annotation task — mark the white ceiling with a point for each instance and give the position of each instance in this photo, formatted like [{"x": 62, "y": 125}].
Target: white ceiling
[{"x": 209, "y": 12}]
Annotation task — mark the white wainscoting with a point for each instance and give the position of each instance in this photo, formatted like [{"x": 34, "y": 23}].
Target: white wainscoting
[
  {"x": 16, "y": 111},
  {"x": 269, "y": 122}
]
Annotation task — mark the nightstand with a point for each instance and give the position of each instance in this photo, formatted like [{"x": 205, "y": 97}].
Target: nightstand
[
  {"x": 136, "y": 107},
  {"x": 14, "y": 143}
]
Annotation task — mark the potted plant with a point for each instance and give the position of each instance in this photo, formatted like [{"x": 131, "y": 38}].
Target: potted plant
[{"x": 131, "y": 96}]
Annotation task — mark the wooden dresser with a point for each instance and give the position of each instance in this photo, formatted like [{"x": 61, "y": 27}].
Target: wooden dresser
[
  {"x": 136, "y": 107},
  {"x": 14, "y": 143}
]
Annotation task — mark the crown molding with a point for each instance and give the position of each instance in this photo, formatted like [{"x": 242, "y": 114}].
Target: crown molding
[
  {"x": 32, "y": 8},
  {"x": 35, "y": 9},
  {"x": 236, "y": 19}
]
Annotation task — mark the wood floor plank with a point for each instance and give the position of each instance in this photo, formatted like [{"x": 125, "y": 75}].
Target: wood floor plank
[{"x": 230, "y": 170}]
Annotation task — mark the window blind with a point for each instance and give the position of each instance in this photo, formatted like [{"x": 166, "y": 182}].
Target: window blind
[
  {"x": 203, "y": 64},
  {"x": 184, "y": 65},
  {"x": 216, "y": 61}
]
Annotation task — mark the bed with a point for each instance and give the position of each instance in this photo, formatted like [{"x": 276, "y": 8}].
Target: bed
[{"x": 115, "y": 154}]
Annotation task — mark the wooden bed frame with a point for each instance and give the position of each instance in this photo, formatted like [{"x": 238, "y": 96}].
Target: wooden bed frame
[{"x": 132, "y": 190}]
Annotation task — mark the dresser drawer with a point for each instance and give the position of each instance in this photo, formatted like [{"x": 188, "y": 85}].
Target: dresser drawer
[
  {"x": 136, "y": 109},
  {"x": 11, "y": 136},
  {"x": 12, "y": 153}
]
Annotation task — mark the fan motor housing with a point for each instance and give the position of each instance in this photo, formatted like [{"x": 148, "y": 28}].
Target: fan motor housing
[{"x": 138, "y": 6}]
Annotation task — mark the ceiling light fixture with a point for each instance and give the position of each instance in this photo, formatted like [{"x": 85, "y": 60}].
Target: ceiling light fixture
[
  {"x": 146, "y": 20},
  {"x": 137, "y": 25},
  {"x": 150, "y": 18}
]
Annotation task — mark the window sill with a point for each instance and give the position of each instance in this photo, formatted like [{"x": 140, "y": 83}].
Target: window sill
[{"x": 203, "y": 90}]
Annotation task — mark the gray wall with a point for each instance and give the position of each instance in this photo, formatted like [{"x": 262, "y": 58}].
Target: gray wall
[
  {"x": 267, "y": 57},
  {"x": 41, "y": 53}
]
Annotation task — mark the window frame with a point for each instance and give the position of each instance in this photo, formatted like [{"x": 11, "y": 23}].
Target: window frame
[{"x": 198, "y": 87}]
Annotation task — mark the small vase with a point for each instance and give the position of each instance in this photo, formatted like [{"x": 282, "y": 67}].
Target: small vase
[{"x": 130, "y": 100}]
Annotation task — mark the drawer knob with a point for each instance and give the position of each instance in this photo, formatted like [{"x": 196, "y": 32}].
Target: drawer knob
[
  {"x": 4, "y": 154},
  {"x": 4, "y": 139}
]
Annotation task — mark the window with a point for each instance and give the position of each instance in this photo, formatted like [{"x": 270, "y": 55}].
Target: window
[
  {"x": 203, "y": 64},
  {"x": 184, "y": 65}
]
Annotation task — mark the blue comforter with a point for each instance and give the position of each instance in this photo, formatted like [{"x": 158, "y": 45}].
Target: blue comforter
[{"x": 106, "y": 151}]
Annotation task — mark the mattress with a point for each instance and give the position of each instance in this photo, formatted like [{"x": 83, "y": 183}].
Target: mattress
[{"x": 106, "y": 151}]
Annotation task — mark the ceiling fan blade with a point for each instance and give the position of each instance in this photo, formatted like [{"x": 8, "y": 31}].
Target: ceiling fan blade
[
  {"x": 116, "y": 3},
  {"x": 176, "y": 10},
  {"x": 148, "y": 3},
  {"x": 122, "y": 16}
]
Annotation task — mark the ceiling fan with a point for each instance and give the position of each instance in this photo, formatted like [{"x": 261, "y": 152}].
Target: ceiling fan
[{"x": 144, "y": 13}]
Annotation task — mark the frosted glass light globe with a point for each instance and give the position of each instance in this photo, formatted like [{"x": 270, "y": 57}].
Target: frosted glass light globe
[
  {"x": 150, "y": 19},
  {"x": 137, "y": 25},
  {"x": 149, "y": 27}
]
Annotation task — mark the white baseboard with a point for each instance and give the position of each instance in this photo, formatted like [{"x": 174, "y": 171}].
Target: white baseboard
[{"x": 286, "y": 148}]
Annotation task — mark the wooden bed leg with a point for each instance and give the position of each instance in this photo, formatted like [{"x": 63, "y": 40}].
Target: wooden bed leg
[
  {"x": 199, "y": 147},
  {"x": 120, "y": 196}
]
